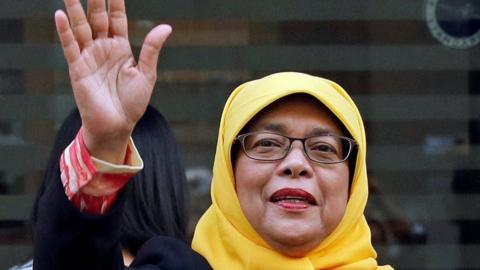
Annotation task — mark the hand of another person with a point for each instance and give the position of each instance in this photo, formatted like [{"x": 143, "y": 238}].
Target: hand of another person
[{"x": 111, "y": 90}]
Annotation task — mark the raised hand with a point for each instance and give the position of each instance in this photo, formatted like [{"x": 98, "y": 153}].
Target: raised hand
[{"x": 111, "y": 90}]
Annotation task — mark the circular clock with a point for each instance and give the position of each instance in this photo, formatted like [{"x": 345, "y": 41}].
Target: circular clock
[{"x": 455, "y": 23}]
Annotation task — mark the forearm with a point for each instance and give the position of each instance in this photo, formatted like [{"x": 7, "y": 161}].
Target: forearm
[
  {"x": 65, "y": 238},
  {"x": 78, "y": 217}
]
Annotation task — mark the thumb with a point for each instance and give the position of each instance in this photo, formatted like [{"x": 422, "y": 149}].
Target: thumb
[{"x": 151, "y": 47}]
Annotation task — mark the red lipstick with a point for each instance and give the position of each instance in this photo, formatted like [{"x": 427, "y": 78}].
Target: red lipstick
[{"x": 293, "y": 198}]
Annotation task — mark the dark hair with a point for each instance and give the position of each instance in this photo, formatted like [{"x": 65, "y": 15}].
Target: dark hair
[{"x": 157, "y": 196}]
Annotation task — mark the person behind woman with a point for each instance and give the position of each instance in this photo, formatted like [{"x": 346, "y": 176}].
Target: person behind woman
[
  {"x": 156, "y": 198},
  {"x": 158, "y": 184}
]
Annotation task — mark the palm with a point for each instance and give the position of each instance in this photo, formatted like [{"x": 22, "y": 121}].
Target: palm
[
  {"x": 108, "y": 86},
  {"x": 110, "y": 89}
]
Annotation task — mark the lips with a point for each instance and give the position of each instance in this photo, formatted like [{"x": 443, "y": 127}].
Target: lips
[{"x": 293, "y": 198}]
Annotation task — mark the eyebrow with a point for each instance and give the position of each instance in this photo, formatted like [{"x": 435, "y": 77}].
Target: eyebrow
[
  {"x": 321, "y": 131},
  {"x": 275, "y": 127}
]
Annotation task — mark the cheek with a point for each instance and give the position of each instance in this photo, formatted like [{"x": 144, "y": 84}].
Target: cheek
[
  {"x": 246, "y": 179},
  {"x": 342, "y": 199},
  {"x": 243, "y": 178},
  {"x": 342, "y": 176},
  {"x": 249, "y": 184},
  {"x": 248, "y": 191},
  {"x": 335, "y": 186},
  {"x": 238, "y": 172}
]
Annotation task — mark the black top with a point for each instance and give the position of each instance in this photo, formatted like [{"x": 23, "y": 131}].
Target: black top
[{"x": 65, "y": 238}]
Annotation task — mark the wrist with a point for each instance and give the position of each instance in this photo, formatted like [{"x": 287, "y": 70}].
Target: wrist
[{"x": 110, "y": 148}]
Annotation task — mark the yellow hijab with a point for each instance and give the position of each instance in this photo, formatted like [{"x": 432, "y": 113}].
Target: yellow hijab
[{"x": 225, "y": 237}]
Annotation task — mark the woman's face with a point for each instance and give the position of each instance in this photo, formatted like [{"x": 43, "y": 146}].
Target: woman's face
[{"x": 292, "y": 226}]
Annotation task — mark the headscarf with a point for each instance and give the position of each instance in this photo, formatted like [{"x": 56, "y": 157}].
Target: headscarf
[{"x": 225, "y": 237}]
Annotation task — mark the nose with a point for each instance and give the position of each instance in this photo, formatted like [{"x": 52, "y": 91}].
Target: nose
[{"x": 296, "y": 163}]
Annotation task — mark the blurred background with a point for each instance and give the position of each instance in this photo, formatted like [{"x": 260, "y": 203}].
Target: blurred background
[{"x": 412, "y": 67}]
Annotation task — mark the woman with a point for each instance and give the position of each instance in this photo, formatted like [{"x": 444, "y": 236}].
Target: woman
[{"x": 278, "y": 204}]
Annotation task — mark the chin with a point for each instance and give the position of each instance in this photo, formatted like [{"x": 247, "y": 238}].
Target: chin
[
  {"x": 294, "y": 251},
  {"x": 294, "y": 243}
]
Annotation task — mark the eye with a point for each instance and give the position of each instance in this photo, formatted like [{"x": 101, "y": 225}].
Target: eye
[
  {"x": 322, "y": 147},
  {"x": 267, "y": 143}
]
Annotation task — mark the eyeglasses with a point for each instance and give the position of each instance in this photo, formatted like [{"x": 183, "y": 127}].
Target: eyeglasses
[{"x": 326, "y": 149}]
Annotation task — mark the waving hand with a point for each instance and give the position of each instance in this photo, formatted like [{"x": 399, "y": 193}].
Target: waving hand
[{"x": 111, "y": 90}]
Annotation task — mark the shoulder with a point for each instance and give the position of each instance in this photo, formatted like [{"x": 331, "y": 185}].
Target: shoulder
[{"x": 171, "y": 253}]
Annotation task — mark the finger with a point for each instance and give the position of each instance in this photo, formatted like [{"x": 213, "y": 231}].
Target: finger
[
  {"x": 118, "y": 18},
  {"x": 70, "y": 46},
  {"x": 80, "y": 27},
  {"x": 98, "y": 18},
  {"x": 147, "y": 62}
]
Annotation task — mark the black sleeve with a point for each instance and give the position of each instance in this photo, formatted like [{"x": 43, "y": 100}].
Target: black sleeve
[
  {"x": 168, "y": 253},
  {"x": 65, "y": 238}
]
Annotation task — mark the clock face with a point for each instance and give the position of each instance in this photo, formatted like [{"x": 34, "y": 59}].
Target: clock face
[{"x": 455, "y": 23}]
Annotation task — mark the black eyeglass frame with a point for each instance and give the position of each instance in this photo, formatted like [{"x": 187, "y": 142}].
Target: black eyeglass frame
[{"x": 241, "y": 139}]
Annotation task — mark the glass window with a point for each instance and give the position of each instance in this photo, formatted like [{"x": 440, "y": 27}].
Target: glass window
[{"x": 411, "y": 66}]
